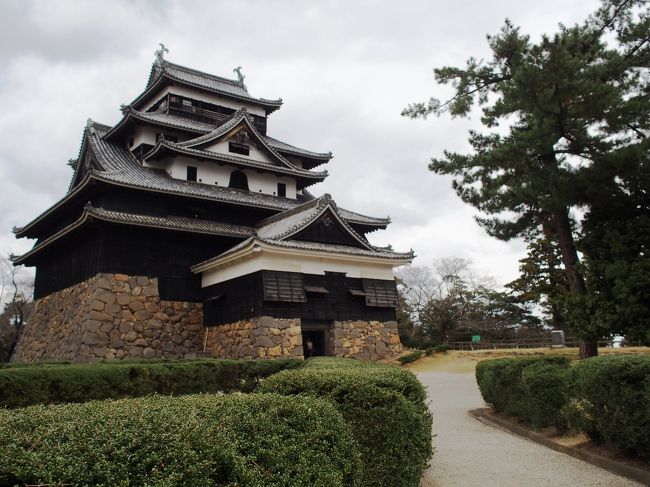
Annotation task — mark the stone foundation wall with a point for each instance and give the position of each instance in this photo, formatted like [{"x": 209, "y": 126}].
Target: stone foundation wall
[
  {"x": 263, "y": 337},
  {"x": 110, "y": 316},
  {"x": 115, "y": 316},
  {"x": 366, "y": 340}
]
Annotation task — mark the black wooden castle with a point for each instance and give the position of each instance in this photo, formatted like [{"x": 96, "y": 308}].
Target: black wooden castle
[{"x": 189, "y": 188}]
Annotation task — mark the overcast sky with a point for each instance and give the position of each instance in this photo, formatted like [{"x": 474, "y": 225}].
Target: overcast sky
[{"x": 345, "y": 70}]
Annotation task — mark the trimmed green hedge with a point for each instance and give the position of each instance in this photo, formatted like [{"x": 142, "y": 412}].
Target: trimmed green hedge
[
  {"x": 47, "y": 384},
  {"x": 384, "y": 407},
  {"x": 610, "y": 401},
  {"x": 532, "y": 389},
  {"x": 412, "y": 357},
  {"x": 238, "y": 439}
]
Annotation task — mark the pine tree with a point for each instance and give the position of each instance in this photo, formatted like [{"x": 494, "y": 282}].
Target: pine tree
[{"x": 568, "y": 102}]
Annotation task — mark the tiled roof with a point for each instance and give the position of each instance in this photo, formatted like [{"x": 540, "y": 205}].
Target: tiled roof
[
  {"x": 192, "y": 225},
  {"x": 238, "y": 161},
  {"x": 187, "y": 124},
  {"x": 121, "y": 167},
  {"x": 296, "y": 151},
  {"x": 211, "y": 82},
  {"x": 171, "y": 121},
  {"x": 118, "y": 166},
  {"x": 309, "y": 246},
  {"x": 164, "y": 222},
  {"x": 290, "y": 222},
  {"x": 194, "y": 147}
]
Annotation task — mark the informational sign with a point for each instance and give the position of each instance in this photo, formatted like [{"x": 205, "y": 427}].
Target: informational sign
[{"x": 476, "y": 338}]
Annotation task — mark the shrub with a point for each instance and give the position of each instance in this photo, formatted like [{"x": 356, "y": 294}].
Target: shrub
[
  {"x": 429, "y": 351},
  {"x": 532, "y": 389},
  {"x": 243, "y": 440},
  {"x": 611, "y": 401},
  {"x": 47, "y": 384},
  {"x": 441, "y": 348},
  {"x": 410, "y": 357},
  {"x": 384, "y": 407}
]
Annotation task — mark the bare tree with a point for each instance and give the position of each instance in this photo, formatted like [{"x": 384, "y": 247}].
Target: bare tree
[
  {"x": 450, "y": 299},
  {"x": 16, "y": 289}
]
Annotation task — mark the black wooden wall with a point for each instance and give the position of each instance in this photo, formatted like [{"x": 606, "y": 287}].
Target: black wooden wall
[
  {"x": 243, "y": 298},
  {"x": 112, "y": 248}
]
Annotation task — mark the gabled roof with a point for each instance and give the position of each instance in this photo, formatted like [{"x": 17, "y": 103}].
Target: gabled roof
[
  {"x": 165, "y": 72},
  {"x": 284, "y": 225},
  {"x": 276, "y": 232},
  {"x": 196, "y": 148},
  {"x": 159, "y": 119},
  {"x": 177, "y": 223},
  {"x": 115, "y": 165},
  {"x": 290, "y": 246}
]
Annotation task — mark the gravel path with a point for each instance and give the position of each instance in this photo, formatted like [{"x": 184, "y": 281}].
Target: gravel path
[{"x": 470, "y": 453}]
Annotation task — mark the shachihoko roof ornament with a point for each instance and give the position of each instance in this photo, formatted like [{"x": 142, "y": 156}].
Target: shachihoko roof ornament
[
  {"x": 240, "y": 76},
  {"x": 160, "y": 54}
]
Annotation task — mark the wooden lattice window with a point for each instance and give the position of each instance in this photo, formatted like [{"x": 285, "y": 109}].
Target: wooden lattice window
[
  {"x": 382, "y": 294},
  {"x": 284, "y": 286}
]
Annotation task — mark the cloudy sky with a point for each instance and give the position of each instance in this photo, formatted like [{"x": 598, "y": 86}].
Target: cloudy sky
[{"x": 345, "y": 70}]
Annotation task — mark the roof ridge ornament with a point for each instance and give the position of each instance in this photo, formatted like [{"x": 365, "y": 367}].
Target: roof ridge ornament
[
  {"x": 240, "y": 76},
  {"x": 160, "y": 54},
  {"x": 125, "y": 108}
]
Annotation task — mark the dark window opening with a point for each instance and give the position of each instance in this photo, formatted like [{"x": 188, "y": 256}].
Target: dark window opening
[
  {"x": 238, "y": 148},
  {"x": 191, "y": 173},
  {"x": 238, "y": 180},
  {"x": 282, "y": 189}
]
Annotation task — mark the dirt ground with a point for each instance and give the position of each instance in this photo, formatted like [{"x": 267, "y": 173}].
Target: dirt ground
[{"x": 465, "y": 361}]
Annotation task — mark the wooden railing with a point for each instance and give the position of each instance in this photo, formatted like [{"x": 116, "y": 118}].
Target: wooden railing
[{"x": 518, "y": 343}]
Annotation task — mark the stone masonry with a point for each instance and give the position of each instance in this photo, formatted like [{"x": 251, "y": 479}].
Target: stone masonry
[
  {"x": 110, "y": 316},
  {"x": 263, "y": 337},
  {"x": 115, "y": 316},
  {"x": 366, "y": 340}
]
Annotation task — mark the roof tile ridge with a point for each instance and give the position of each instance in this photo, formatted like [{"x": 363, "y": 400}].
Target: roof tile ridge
[
  {"x": 204, "y": 73},
  {"x": 298, "y": 149},
  {"x": 217, "y": 132},
  {"x": 386, "y": 219},
  {"x": 292, "y": 211},
  {"x": 248, "y": 162}
]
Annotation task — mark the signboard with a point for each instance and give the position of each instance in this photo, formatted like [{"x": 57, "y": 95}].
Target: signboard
[{"x": 476, "y": 338}]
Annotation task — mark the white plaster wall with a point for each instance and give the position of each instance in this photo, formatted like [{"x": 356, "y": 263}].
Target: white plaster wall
[
  {"x": 255, "y": 154},
  {"x": 296, "y": 263},
  {"x": 197, "y": 95},
  {"x": 144, "y": 135},
  {"x": 211, "y": 173}
]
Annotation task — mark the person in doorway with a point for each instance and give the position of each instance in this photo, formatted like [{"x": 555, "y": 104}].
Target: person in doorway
[{"x": 309, "y": 348}]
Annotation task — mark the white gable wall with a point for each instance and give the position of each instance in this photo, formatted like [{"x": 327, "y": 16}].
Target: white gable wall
[
  {"x": 211, "y": 173},
  {"x": 306, "y": 264},
  {"x": 255, "y": 154}
]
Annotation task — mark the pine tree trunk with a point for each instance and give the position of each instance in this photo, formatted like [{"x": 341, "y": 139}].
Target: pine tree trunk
[
  {"x": 562, "y": 224},
  {"x": 556, "y": 316}
]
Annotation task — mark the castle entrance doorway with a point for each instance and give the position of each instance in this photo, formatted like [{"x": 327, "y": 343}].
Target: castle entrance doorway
[{"x": 315, "y": 338}]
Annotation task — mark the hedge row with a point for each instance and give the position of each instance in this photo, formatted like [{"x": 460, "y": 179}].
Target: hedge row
[
  {"x": 532, "y": 389},
  {"x": 607, "y": 398},
  {"x": 610, "y": 401},
  {"x": 246, "y": 440},
  {"x": 49, "y": 384},
  {"x": 384, "y": 407}
]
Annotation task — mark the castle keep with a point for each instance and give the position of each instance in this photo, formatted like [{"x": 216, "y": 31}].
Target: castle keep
[{"x": 187, "y": 230}]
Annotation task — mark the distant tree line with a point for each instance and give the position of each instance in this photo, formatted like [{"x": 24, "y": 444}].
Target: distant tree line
[{"x": 563, "y": 163}]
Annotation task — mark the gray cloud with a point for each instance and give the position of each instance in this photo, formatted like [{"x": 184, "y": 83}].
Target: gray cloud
[{"x": 344, "y": 69}]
